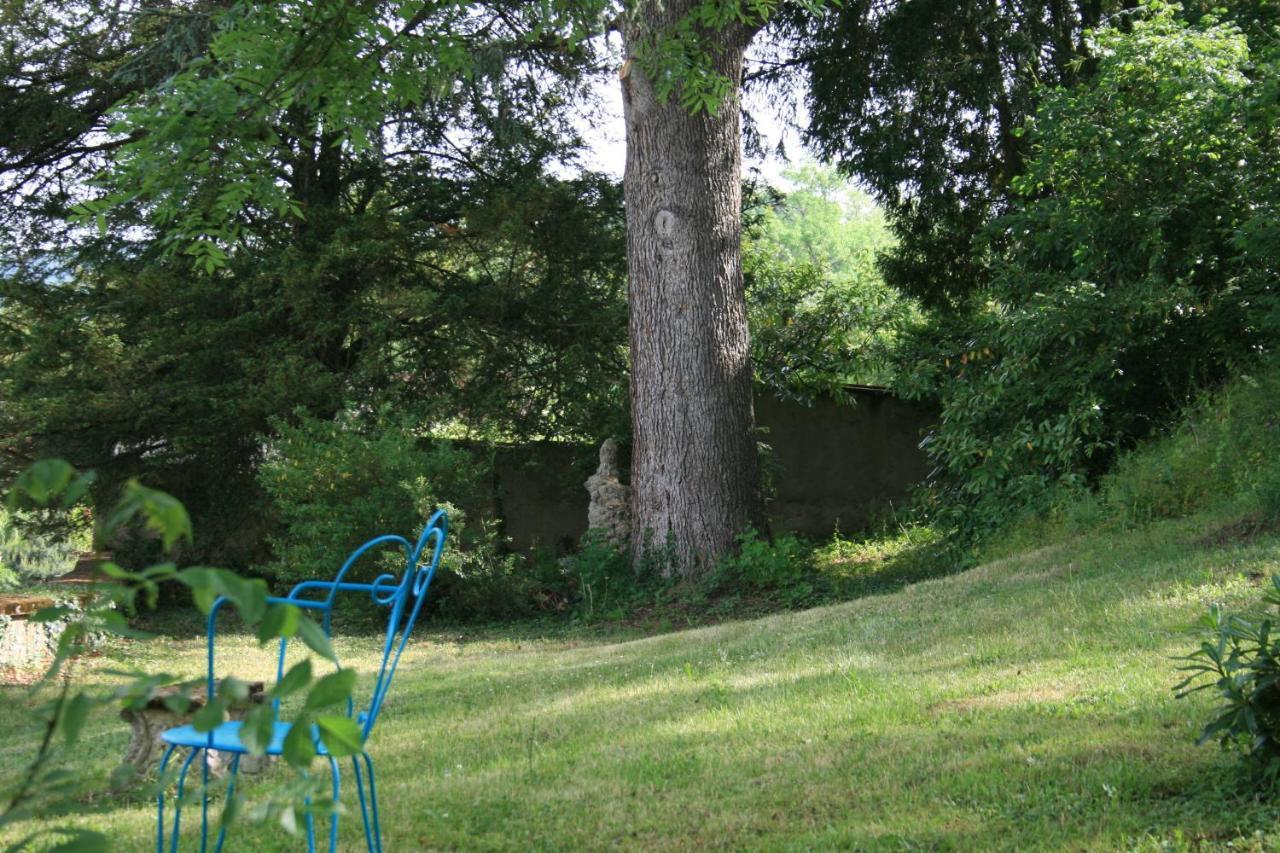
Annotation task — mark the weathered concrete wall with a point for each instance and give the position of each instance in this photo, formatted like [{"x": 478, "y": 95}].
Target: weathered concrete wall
[
  {"x": 836, "y": 465},
  {"x": 541, "y": 496},
  {"x": 833, "y": 466}
]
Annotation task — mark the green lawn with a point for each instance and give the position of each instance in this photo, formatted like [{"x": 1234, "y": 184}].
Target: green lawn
[{"x": 1023, "y": 704}]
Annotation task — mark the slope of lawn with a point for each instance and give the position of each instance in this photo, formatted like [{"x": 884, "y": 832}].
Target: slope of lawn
[{"x": 1024, "y": 703}]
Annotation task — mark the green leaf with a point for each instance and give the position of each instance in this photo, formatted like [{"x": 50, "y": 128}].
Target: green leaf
[
  {"x": 41, "y": 481},
  {"x": 299, "y": 748},
  {"x": 78, "y": 488},
  {"x": 233, "y": 689},
  {"x": 314, "y": 636},
  {"x": 248, "y": 596},
  {"x": 298, "y": 677},
  {"x": 258, "y": 728},
  {"x": 280, "y": 620},
  {"x": 74, "y": 714},
  {"x": 161, "y": 512},
  {"x": 50, "y": 614},
  {"x": 333, "y": 688},
  {"x": 210, "y": 716},
  {"x": 231, "y": 809},
  {"x": 340, "y": 735},
  {"x": 178, "y": 703},
  {"x": 113, "y": 570}
]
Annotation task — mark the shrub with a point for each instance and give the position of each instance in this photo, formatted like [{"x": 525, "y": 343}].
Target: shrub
[
  {"x": 336, "y": 483},
  {"x": 30, "y": 551},
  {"x": 780, "y": 569},
  {"x": 605, "y": 583},
  {"x": 1240, "y": 657}
]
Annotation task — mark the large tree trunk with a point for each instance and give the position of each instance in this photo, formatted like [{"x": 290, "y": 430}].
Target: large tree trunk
[{"x": 695, "y": 479}]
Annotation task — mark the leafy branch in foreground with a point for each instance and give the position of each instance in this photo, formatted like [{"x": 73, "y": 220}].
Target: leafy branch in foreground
[
  {"x": 45, "y": 786},
  {"x": 1240, "y": 657}
]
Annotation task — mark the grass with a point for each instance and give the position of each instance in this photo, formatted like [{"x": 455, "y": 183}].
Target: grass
[{"x": 1025, "y": 703}]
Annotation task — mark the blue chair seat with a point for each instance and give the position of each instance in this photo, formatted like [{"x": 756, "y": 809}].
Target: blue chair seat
[{"x": 226, "y": 738}]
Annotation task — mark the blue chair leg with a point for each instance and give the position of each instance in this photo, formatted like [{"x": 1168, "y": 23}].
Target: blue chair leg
[
  {"x": 177, "y": 805},
  {"x": 373, "y": 799},
  {"x": 309, "y": 820},
  {"x": 231, "y": 792},
  {"x": 164, "y": 763},
  {"x": 364, "y": 805},
  {"x": 337, "y": 796},
  {"x": 204, "y": 800}
]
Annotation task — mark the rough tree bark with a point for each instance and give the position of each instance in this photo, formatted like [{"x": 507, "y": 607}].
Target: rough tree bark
[{"x": 695, "y": 477}]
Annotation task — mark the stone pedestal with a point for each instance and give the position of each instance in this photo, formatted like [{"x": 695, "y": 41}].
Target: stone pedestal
[
  {"x": 28, "y": 645},
  {"x": 150, "y": 721}
]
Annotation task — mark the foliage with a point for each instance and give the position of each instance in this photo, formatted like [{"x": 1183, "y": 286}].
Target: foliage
[
  {"x": 820, "y": 315},
  {"x": 824, "y": 220},
  {"x": 1240, "y": 657},
  {"x": 782, "y": 566},
  {"x": 44, "y": 787},
  {"x": 361, "y": 75},
  {"x": 30, "y": 553},
  {"x": 407, "y": 262},
  {"x": 1222, "y": 448},
  {"x": 1217, "y": 460},
  {"x": 922, "y": 100},
  {"x": 175, "y": 376},
  {"x": 1125, "y": 278},
  {"x": 606, "y": 582},
  {"x": 335, "y": 483}
]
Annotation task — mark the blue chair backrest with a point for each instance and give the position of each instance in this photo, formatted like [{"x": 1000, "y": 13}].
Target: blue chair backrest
[{"x": 402, "y": 596}]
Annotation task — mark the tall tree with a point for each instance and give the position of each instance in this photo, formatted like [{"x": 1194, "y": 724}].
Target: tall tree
[
  {"x": 924, "y": 101},
  {"x": 695, "y": 470},
  {"x": 458, "y": 283},
  {"x": 347, "y": 67}
]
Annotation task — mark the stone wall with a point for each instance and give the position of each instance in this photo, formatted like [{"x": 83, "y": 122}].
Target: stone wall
[
  {"x": 838, "y": 466},
  {"x": 832, "y": 465}
]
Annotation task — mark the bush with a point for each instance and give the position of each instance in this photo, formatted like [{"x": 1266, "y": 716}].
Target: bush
[
  {"x": 1240, "y": 656},
  {"x": 605, "y": 583},
  {"x": 336, "y": 483},
  {"x": 781, "y": 569},
  {"x": 30, "y": 551}
]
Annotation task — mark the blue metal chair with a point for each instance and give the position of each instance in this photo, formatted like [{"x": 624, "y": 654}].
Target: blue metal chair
[{"x": 403, "y": 597}]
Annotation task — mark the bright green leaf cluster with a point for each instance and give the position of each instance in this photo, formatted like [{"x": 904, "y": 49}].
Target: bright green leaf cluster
[{"x": 50, "y": 481}]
